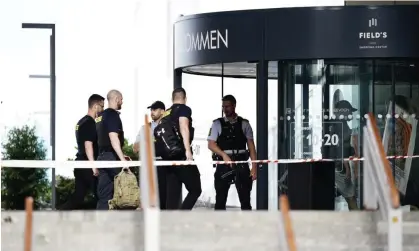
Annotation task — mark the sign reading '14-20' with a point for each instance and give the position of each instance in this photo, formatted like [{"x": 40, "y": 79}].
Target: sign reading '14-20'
[{"x": 311, "y": 140}]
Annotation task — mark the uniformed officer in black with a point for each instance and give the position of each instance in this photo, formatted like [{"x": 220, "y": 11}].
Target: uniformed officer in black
[
  {"x": 181, "y": 116},
  {"x": 110, "y": 142},
  {"x": 227, "y": 140},
  {"x": 87, "y": 149},
  {"x": 156, "y": 111}
]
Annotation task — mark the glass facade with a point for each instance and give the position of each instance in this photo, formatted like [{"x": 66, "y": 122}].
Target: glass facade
[
  {"x": 326, "y": 101},
  {"x": 317, "y": 109}
]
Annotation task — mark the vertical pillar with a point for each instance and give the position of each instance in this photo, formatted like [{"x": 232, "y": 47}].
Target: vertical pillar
[
  {"x": 366, "y": 105},
  {"x": 177, "y": 78},
  {"x": 305, "y": 75},
  {"x": 53, "y": 106},
  {"x": 281, "y": 118},
  {"x": 262, "y": 134},
  {"x": 393, "y": 118}
]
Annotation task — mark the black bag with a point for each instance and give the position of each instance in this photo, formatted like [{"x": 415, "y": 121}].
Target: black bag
[{"x": 168, "y": 136}]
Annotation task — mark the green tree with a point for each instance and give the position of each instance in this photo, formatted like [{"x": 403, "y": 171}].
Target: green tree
[
  {"x": 22, "y": 143},
  {"x": 65, "y": 188},
  {"x": 65, "y": 185},
  {"x": 128, "y": 150}
]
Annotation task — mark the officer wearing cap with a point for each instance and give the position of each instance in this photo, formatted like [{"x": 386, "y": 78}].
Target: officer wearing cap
[
  {"x": 110, "y": 142},
  {"x": 156, "y": 112},
  {"x": 343, "y": 113},
  {"x": 227, "y": 139}
]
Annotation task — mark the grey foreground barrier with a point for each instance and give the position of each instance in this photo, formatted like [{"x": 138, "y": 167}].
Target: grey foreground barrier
[{"x": 202, "y": 231}]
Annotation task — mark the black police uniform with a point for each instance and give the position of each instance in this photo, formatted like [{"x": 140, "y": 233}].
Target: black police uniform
[
  {"x": 84, "y": 179},
  {"x": 188, "y": 175},
  {"x": 109, "y": 121},
  {"x": 233, "y": 142}
]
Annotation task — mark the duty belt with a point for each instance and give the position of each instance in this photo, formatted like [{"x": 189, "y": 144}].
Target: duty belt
[
  {"x": 233, "y": 154},
  {"x": 228, "y": 152}
]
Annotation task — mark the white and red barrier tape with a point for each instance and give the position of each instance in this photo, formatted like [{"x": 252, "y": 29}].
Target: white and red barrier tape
[{"x": 115, "y": 164}]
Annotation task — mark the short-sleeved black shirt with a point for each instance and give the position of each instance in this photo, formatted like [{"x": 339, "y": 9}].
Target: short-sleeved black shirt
[
  {"x": 107, "y": 122},
  {"x": 86, "y": 131},
  {"x": 182, "y": 110}
]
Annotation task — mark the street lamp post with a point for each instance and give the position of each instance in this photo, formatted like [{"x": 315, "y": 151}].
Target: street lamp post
[{"x": 52, "y": 93}]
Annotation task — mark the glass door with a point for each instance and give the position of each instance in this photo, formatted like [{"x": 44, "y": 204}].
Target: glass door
[
  {"x": 323, "y": 119},
  {"x": 396, "y": 91},
  {"x": 326, "y": 102}
]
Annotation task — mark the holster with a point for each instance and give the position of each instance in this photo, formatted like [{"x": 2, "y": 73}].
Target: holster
[{"x": 231, "y": 173}]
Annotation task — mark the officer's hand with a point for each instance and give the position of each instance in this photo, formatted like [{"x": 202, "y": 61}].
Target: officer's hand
[
  {"x": 226, "y": 158},
  {"x": 95, "y": 172},
  {"x": 253, "y": 172},
  {"x": 189, "y": 156}
]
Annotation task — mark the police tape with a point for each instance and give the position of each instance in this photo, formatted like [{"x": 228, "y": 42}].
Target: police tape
[{"x": 118, "y": 164}]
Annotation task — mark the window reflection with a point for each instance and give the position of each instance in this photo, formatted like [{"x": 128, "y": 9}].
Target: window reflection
[
  {"x": 399, "y": 137},
  {"x": 318, "y": 90}
]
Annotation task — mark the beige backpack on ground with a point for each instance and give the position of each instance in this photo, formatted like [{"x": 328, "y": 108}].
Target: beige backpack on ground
[{"x": 126, "y": 192}]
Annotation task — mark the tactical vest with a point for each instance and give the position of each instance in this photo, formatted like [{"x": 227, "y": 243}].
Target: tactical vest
[
  {"x": 104, "y": 142},
  {"x": 81, "y": 150},
  {"x": 232, "y": 136}
]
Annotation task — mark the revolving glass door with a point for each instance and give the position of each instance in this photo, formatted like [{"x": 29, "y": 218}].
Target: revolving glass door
[{"x": 325, "y": 103}]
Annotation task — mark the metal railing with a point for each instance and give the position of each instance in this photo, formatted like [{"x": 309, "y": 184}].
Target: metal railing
[{"x": 380, "y": 190}]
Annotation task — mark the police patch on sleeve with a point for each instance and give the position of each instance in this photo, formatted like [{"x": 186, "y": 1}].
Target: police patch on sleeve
[{"x": 209, "y": 134}]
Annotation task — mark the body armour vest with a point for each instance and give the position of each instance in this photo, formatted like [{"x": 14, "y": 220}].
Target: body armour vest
[
  {"x": 104, "y": 142},
  {"x": 232, "y": 136}
]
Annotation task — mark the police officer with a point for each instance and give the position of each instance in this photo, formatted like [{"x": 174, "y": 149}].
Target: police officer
[
  {"x": 181, "y": 116},
  {"x": 227, "y": 140},
  {"x": 110, "y": 142},
  {"x": 87, "y": 149},
  {"x": 157, "y": 110}
]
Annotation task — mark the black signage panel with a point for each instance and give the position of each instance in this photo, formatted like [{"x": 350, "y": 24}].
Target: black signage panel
[
  {"x": 297, "y": 33},
  {"x": 342, "y": 32},
  {"x": 216, "y": 38}
]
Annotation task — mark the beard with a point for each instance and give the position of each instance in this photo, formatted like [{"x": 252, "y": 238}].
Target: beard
[{"x": 155, "y": 117}]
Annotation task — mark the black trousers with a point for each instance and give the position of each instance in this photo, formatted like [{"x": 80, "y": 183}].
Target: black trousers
[
  {"x": 84, "y": 182},
  {"x": 161, "y": 177},
  {"x": 242, "y": 180},
  {"x": 105, "y": 186},
  {"x": 188, "y": 175}
]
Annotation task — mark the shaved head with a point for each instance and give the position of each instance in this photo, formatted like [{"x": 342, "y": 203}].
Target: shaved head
[
  {"x": 179, "y": 96},
  {"x": 112, "y": 94},
  {"x": 114, "y": 98}
]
